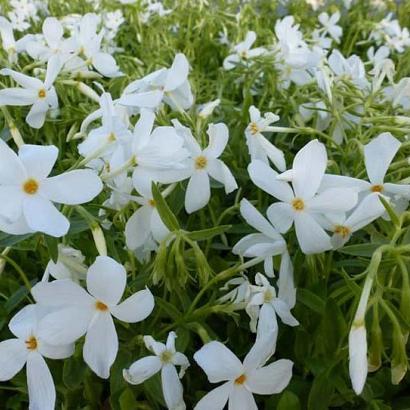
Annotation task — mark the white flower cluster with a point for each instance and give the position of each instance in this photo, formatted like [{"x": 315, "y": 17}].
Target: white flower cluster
[{"x": 127, "y": 149}]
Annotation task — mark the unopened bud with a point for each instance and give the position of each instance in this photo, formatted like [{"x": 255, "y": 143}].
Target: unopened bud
[{"x": 99, "y": 239}]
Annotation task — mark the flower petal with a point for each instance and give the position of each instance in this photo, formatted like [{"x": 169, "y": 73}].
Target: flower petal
[
  {"x": 135, "y": 308},
  {"x": 42, "y": 216},
  {"x": 219, "y": 171},
  {"x": 256, "y": 220},
  {"x": 61, "y": 292},
  {"x": 241, "y": 399},
  {"x": 218, "y": 362},
  {"x": 37, "y": 114},
  {"x": 172, "y": 388},
  {"x": 40, "y": 383},
  {"x": 138, "y": 227},
  {"x": 309, "y": 167},
  {"x": 73, "y": 187},
  {"x": 54, "y": 66},
  {"x": 38, "y": 160},
  {"x": 333, "y": 200},
  {"x": 11, "y": 202},
  {"x": 264, "y": 178},
  {"x": 52, "y": 30},
  {"x": 311, "y": 236},
  {"x": 218, "y": 138},
  {"x": 56, "y": 352},
  {"x": 106, "y": 280},
  {"x": 178, "y": 72},
  {"x": 216, "y": 398},
  {"x": 101, "y": 345},
  {"x": 281, "y": 216},
  {"x": 142, "y": 369},
  {"x": 66, "y": 325},
  {"x": 378, "y": 154},
  {"x": 198, "y": 191},
  {"x": 368, "y": 210},
  {"x": 271, "y": 379},
  {"x": 13, "y": 356},
  {"x": 12, "y": 171},
  {"x": 106, "y": 65},
  {"x": 22, "y": 79},
  {"x": 18, "y": 96}
]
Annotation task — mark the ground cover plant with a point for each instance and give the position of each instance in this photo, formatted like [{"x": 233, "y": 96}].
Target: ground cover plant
[{"x": 204, "y": 204}]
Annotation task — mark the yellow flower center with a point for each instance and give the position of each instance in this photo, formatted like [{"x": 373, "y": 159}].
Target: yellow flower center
[
  {"x": 267, "y": 297},
  {"x": 241, "y": 379},
  {"x": 42, "y": 93},
  {"x": 101, "y": 306},
  {"x": 343, "y": 231},
  {"x": 152, "y": 203},
  {"x": 201, "y": 162},
  {"x": 31, "y": 343},
  {"x": 298, "y": 204},
  {"x": 111, "y": 137},
  {"x": 30, "y": 186},
  {"x": 254, "y": 128},
  {"x": 377, "y": 188},
  {"x": 166, "y": 356}
]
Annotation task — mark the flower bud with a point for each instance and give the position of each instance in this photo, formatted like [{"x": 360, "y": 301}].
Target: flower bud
[{"x": 99, "y": 239}]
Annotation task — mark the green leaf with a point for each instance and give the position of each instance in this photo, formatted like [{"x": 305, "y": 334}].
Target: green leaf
[
  {"x": 365, "y": 249},
  {"x": 10, "y": 240},
  {"x": 321, "y": 392},
  {"x": 288, "y": 401},
  {"x": 208, "y": 233},
  {"x": 393, "y": 216},
  {"x": 127, "y": 400},
  {"x": 52, "y": 246},
  {"x": 73, "y": 372},
  {"x": 312, "y": 301},
  {"x": 167, "y": 216}
]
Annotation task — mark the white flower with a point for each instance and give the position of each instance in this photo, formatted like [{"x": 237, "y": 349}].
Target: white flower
[
  {"x": 378, "y": 155},
  {"x": 170, "y": 85},
  {"x": 377, "y": 56},
  {"x": 294, "y": 59},
  {"x": 78, "y": 312},
  {"x": 88, "y": 47},
  {"x": 158, "y": 154},
  {"x": 265, "y": 305},
  {"x": 41, "y": 95},
  {"x": 26, "y": 191},
  {"x": 239, "y": 294},
  {"x": 10, "y": 45},
  {"x": 29, "y": 348},
  {"x": 302, "y": 204},
  {"x": 165, "y": 360},
  {"x": 342, "y": 226},
  {"x": 259, "y": 147},
  {"x": 113, "y": 135},
  {"x": 351, "y": 69},
  {"x": 205, "y": 110},
  {"x": 243, "y": 52},
  {"x": 241, "y": 380},
  {"x": 203, "y": 164},
  {"x": 330, "y": 26},
  {"x": 69, "y": 265},
  {"x": 52, "y": 43},
  {"x": 145, "y": 224},
  {"x": 267, "y": 243}
]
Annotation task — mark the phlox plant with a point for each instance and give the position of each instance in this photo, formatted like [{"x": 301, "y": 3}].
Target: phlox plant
[{"x": 204, "y": 204}]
